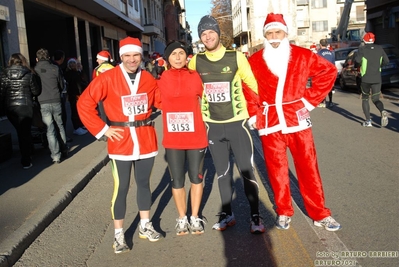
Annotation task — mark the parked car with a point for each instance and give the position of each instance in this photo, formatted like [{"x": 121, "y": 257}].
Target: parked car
[
  {"x": 340, "y": 55},
  {"x": 350, "y": 75}
]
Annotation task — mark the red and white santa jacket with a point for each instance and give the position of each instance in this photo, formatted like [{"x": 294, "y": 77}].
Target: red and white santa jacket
[
  {"x": 123, "y": 102},
  {"x": 283, "y": 104}
]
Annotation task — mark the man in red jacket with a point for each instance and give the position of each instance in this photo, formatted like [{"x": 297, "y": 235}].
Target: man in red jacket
[
  {"x": 127, "y": 93},
  {"x": 282, "y": 119}
]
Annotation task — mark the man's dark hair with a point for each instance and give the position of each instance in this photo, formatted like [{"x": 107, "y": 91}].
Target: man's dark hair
[
  {"x": 42, "y": 54},
  {"x": 58, "y": 54},
  {"x": 323, "y": 42}
]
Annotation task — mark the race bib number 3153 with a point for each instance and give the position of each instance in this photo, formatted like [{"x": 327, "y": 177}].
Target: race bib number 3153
[
  {"x": 134, "y": 104},
  {"x": 180, "y": 121},
  {"x": 217, "y": 92}
]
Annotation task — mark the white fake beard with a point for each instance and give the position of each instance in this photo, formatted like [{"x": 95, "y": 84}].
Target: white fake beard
[{"x": 277, "y": 58}]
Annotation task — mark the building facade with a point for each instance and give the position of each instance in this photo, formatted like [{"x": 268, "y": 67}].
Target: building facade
[
  {"x": 308, "y": 21},
  {"x": 383, "y": 20},
  {"x": 81, "y": 28}
]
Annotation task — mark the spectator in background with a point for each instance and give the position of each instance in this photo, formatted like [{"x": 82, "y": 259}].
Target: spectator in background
[
  {"x": 19, "y": 84},
  {"x": 104, "y": 61},
  {"x": 328, "y": 55},
  {"x": 371, "y": 57},
  {"x": 76, "y": 83},
  {"x": 58, "y": 60},
  {"x": 159, "y": 65},
  {"x": 313, "y": 48},
  {"x": 50, "y": 104}
]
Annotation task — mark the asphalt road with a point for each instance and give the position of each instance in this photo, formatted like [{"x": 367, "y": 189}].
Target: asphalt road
[{"x": 360, "y": 173}]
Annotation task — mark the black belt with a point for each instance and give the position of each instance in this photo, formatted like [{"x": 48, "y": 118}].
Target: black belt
[{"x": 146, "y": 122}]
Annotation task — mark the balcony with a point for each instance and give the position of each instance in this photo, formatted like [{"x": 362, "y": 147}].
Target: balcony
[
  {"x": 150, "y": 29},
  {"x": 302, "y": 2},
  {"x": 303, "y": 23}
]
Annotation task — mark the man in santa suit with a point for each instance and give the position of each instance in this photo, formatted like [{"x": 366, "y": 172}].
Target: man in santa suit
[
  {"x": 281, "y": 114},
  {"x": 127, "y": 93}
]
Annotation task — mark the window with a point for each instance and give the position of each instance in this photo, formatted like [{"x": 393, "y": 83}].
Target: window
[
  {"x": 360, "y": 13},
  {"x": 130, "y": 2},
  {"x": 136, "y": 5},
  {"x": 319, "y": 3},
  {"x": 320, "y": 26}
]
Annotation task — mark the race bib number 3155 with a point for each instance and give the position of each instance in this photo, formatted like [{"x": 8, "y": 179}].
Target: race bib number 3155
[
  {"x": 217, "y": 92},
  {"x": 134, "y": 104}
]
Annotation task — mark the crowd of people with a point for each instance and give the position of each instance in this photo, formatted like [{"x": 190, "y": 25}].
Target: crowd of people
[{"x": 204, "y": 106}]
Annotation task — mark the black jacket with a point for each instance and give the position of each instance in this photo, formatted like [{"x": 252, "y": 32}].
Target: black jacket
[
  {"x": 18, "y": 86},
  {"x": 371, "y": 57}
]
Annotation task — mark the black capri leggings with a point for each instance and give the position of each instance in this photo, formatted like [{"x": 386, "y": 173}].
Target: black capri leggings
[
  {"x": 121, "y": 171},
  {"x": 176, "y": 159}
]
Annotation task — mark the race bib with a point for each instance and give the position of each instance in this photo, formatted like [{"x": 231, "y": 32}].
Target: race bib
[
  {"x": 217, "y": 92},
  {"x": 180, "y": 121},
  {"x": 304, "y": 117},
  {"x": 134, "y": 104}
]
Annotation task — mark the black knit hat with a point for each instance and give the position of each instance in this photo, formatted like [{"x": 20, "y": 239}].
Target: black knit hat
[
  {"x": 208, "y": 23},
  {"x": 171, "y": 47}
]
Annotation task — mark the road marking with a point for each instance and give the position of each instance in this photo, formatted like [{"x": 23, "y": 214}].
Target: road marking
[{"x": 330, "y": 240}]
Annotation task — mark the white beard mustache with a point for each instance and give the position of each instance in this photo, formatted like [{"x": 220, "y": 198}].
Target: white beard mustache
[{"x": 277, "y": 58}]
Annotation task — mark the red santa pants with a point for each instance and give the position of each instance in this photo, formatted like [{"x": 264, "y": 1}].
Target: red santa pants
[{"x": 303, "y": 151}]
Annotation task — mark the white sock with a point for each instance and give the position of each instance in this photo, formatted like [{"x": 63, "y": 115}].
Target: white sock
[
  {"x": 118, "y": 231},
  {"x": 143, "y": 222}
]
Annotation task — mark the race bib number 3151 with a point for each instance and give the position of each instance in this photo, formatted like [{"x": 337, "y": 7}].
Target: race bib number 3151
[
  {"x": 134, "y": 104},
  {"x": 217, "y": 92}
]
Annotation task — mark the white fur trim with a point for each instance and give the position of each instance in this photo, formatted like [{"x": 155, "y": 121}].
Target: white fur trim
[
  {"x": 102, "y": 58},
  {"x": 275, "y": 25},
  {"x": 130, "y": 48}
]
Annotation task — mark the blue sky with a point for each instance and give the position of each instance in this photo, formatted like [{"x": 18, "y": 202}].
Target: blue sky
[{"x": 195, "y": 10}]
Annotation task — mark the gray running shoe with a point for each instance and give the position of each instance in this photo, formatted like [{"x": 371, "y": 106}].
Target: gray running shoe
[
  {"x": 182, "y": 226},
  {"x": 257, "y": 226},
  {"x": 196, "y": 226},
  {"x": 384, "y": 118},
  {"x": 149, "y": 232},
  {"x": 367, "y": 124},
  {"x": 328, "y": 223},
  {"x": 120, "y": 244},
  {"x": 283, "y": 222},
  {"x": 224, "y": 221}
]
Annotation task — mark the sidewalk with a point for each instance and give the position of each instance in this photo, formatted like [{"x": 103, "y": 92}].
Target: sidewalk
[{"x": 31, "y": 199}]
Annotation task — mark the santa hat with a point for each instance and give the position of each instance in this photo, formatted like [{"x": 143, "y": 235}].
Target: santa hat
[
  {"x": 104, "y": 55},
  {"x": 160, "y": 61},
  {"x": 369, "y": 38},
  {"x": 274, "y": 21},
  {"x": 313, "y": 46},
  {"x": 130, "y": 44}
]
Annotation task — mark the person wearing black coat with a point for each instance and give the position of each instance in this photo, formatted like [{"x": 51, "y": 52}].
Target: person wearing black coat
[
  {"x": 19, "y": 85},
  {"x": 76, "y": 83}
]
